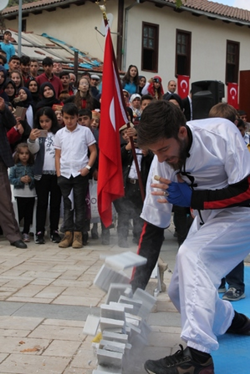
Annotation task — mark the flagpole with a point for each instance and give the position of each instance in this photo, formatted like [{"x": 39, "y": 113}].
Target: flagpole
[{"x": 103, "y": 10}]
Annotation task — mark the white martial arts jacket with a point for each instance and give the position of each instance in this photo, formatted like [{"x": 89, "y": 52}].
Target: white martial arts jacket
[{"x": 217, "y": 168}]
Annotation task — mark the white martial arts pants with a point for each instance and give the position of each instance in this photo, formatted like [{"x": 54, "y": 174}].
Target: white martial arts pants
[{"x": 209, "y": 253}]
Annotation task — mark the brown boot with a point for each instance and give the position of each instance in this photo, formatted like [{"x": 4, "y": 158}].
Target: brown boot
[
  {"x": 77, "y": 241},
  {"x": 66, "y": 240}
]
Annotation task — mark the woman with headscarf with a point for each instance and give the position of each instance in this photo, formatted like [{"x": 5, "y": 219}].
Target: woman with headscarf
[
  {"x": 154, "y": 88},
  {"x": 48, "y": 96},
  {"x": 25, "y": 101},
  {"x": 142, "y": 83},
  {"x": 33, "y": 87},
  {"x": 10, "y": 90}
]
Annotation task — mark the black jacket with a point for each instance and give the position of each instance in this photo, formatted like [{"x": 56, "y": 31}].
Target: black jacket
[
  {"x": 7, "y": 121},
  {"x": 127, "y": 159}
]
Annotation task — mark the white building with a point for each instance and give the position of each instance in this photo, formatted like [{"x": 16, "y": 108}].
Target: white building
[{"x": 202, "y": 39}]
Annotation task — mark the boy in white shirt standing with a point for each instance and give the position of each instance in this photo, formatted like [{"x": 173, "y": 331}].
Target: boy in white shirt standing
[{"x": 72, "y": 144}]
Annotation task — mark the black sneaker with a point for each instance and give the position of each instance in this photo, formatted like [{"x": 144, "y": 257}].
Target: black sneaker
[
  {"x": 243, "y": 330},
  {"x": 55, "y": 237},
  {"x": 39, "y": 238},
  {"x": 233, "y": 294},
  {"x": 180, "y": 362}
]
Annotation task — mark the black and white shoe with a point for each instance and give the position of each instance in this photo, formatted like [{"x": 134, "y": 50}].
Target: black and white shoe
[{"x": 39, "y": 238}]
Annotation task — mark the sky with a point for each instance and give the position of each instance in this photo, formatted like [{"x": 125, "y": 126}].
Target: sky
[{"x": 243, "y": 4}]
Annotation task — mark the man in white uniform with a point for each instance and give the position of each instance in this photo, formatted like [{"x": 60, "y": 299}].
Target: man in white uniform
[{"x": 204, "y": 165}]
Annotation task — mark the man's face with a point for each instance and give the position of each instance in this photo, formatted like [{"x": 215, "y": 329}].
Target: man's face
[
  {"x": 243, "y": 117},
  {"x": 48, "y": 69},
  {"x": 145, "y": 103},
  {"x": 25, "y": 69},
  {"x": 65, "y": 81},
  {"x": 84, "y": 121},
  {"x": 72, "y": 78},
  {"x": 57, "y": 67},
  {"x": 172, "y": 86},
  {"x": 34, "y": 67},
  {"x": 172, "y": 151},
  {"x": 14, "y": 65},
  {"x": 94, "y": 82},
  {"x": 1, "y": 77}
]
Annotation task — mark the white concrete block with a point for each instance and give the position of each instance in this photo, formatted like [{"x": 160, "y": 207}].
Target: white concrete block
[
  {"x": 136, "y": 303},
  {"x": 113, "y": 311},
  {"x": 106, "y": 276},
  {"x": 112, "y": 346},
  {"x": 109, "y": 359},
  {"x": 116, "y": 290},
  {"x": 125, "y": 260},
  {"x": 112, "y": 325},
  {"x": 127, "y": 307},
  {"x": 91, "y": 325},
  {"x": 148, "y": 302},
  {"x": 113, "y": 336}
]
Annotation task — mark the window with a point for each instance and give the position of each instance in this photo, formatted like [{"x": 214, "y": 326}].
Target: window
[
  {"x": 24, "y": 25},
  {"x": 183, "y": 53},
  {"x": 232, "y": 61},
  {"x": 150, "y": 37}
]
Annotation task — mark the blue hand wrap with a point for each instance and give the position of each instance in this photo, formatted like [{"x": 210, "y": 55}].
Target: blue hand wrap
[{"x": 180, "y": 194}]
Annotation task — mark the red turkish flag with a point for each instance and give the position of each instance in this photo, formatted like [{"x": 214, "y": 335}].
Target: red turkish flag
[
  {"x": 113, "y": 116},
  {"x": 232, "y": 94},
  {"x": 183, "y": 86}
]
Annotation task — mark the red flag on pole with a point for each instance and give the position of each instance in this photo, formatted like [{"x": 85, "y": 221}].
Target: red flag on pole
[
  {"x": 183, "y": 86},
  {"x": 232, "y": 94},
  {"x": 113, "y": 116}
]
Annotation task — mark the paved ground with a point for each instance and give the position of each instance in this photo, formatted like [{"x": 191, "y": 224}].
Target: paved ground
[{"x": 46, "y": 294}]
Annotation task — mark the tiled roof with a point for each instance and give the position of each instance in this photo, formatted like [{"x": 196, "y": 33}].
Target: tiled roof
[
  {"x": 201, "y": 6},
  {"x": 216, "y": 9},
  {"x": 35, "y": 4}
]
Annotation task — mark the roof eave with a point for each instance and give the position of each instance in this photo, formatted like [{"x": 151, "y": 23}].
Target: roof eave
[
  {"x": 201, "y": 13},
  {"x": 39, "y": 8}
]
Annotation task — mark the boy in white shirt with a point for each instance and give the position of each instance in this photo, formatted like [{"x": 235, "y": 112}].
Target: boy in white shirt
[{"x": 72, "y": 144}]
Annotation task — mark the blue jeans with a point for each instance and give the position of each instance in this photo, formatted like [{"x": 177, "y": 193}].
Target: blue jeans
[{"x": 74, "y": 218}]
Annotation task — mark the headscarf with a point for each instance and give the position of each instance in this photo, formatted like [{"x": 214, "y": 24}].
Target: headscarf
[
  {"x": 47, "y": 101},
  {"x": 151, "y": 89},
  {"x": 35, "y": 95},
  {"x": 29, "y": 101},
  {"x": 10, "y": 81}
]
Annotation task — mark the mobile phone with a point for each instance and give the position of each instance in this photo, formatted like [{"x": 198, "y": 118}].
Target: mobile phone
[
  {"x": 20, "y": 112},
  {"x": 43, "y": 134}
]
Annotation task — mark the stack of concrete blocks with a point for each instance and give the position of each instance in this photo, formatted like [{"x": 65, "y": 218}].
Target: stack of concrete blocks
[{"x": 123, "y": 319}]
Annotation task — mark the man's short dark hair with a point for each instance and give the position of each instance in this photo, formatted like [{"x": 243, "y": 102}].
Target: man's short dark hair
[
  {"x": 47, "y": 61},
  {"x": 71, "y": 109},
  {"x": 33, "y": 60},
  {"x": 146, "y": 97},
  {"x": 24, "y": 60},
  {"x": 85, "y": 112},
  {"x": 63, "y": 73},
  {"x": 7, "y": 32},
  {"x": 159, "y": 120},
  {"x": 14, "y": 57}
]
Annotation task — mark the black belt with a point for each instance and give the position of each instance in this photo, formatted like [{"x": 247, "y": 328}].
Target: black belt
[{"x": 132, "y": 181}]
